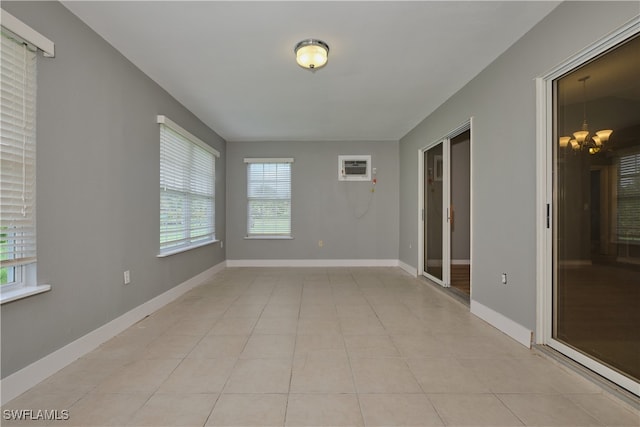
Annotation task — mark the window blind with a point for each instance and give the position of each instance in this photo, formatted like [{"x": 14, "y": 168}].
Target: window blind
[
  {"x": 629, "y": 198},
  {"x": 187, "y": 191},
  {"x": 17, "y": 152},
  {"x": 268, "y": 197}
]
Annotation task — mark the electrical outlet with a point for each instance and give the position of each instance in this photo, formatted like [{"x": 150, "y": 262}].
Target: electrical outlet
[
  {"x": 320, "y": 243},
  {"x": 127, "y": 277},
  {"x": 221, "y": 244},
  {"x": 504, "y": 278}
]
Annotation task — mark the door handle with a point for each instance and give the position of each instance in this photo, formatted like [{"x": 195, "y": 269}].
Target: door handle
[{"x": 451, "y": 218}]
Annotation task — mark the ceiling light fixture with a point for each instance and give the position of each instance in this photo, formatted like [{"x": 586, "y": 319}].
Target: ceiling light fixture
[
  {"x": 311, "y": 53},
  {"x": 581, "y": 138}
]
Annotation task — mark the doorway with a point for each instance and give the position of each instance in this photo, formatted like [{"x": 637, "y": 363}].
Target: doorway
[{"x": 445, "y": 223}]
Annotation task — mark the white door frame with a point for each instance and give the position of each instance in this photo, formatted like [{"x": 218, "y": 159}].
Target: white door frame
[
  {"x": 546, "y": 204},
  {"x": 446, "y": 232}
]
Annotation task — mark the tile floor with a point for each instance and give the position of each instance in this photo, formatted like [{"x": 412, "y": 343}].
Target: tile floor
[{"x": 318, "y": 347}]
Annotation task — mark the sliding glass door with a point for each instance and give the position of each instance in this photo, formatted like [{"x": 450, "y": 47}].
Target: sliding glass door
[{"x": 596, "y": 223}]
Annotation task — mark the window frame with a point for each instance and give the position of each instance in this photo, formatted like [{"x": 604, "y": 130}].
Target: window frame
[
  {"x": 187, "y": 137},
  {"x": 269, "y": 236}
]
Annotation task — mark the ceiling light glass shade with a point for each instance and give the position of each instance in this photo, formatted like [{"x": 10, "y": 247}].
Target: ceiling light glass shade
[
  {"x": 574, "y": 144},
  {"x": 312, "y": 53},
  {"x": 596, "y": 140},
  {"x": 581, "y": 136},
  {"x": 604, "y": 135},
  {"x": 564, "y": 141}
]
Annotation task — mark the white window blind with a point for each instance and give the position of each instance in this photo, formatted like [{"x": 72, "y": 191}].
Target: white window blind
[
  {"x": 268, "y": 197},
  {"x": 17, "y": 153},
  {"x": 629, "y": 198},
  {"x": 187, "y": 189}
]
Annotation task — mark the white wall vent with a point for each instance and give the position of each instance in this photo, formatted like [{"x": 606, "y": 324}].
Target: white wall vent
[{"x": 354, "y": 168}]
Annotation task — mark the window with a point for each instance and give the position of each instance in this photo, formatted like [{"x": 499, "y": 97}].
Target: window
[
  {"x": 629, "y": 198},
  {"x": 268, "y": 198},
  {"x": 18, "y": 52},
  {"x": 18, "y": 151},
  {"x": 187, "y": 189}
]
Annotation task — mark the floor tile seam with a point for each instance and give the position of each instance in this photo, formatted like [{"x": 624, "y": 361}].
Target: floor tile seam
[
  {"x": 75, "y": 401},
  {"x": 435, "y": 409},
  {"x": 235, "y": 364},
  {"x": 166, "y": 378},
  {"x": 565, "y": 395},
  {"x": 213, "y": 407},
  {"x": 622, "y": 408},
  {"x": 133, "y": 414},
  {"x": 295, "y": 345},
  {"x": 221, "y": 316},
  {"x": 198, "y": 342},
  {"x": 377, "y": 315},
  {"x": 353, "y": 379},
  {"x": 509, "y": 409},
  {"x": 522, "y": 423}
]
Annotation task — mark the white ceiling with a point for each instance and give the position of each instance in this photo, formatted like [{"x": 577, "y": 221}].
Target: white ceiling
[{"x": 232, "y": 64}]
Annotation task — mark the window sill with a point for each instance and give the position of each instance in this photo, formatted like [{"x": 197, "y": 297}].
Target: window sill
[
  {"x": 268, "y": 238},
  {"x": 185, "y": 249},
  {"x": 22, "y": 292}
]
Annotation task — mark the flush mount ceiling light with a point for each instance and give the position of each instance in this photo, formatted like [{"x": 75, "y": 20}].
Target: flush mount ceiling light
[{"x": 311, "y": 53}]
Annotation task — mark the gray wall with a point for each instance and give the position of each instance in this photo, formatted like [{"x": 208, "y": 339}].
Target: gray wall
[
  {"x": 323, "y": 208},
  {"x": 97, "y": 190},
  {"x": 502, "y": 101}
]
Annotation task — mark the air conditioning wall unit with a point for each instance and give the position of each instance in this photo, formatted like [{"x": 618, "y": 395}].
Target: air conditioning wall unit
[{"x": 354, "y": 168}]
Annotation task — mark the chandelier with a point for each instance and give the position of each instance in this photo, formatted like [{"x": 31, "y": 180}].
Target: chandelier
[{"x": 582, "y": 139}]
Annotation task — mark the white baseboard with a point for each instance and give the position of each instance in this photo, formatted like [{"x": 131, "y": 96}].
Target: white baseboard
[
  {"x": 312, "y": 263},
  {"x": 408, "y": 268},
  {"x": 516, "y": 331},
  {"x": 17, "y": 383}
]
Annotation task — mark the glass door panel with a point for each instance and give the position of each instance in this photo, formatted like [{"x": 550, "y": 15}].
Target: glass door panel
[
  {"x": 596, "y": 307},
  {"x": 436, "y": 197}
]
